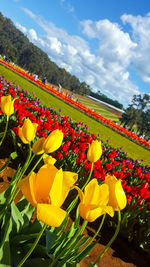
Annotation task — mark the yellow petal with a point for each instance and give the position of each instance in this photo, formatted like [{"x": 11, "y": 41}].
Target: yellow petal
[
  {"x": 109, "y": 210},
  {"x": 96, "y": 194},
  {"x": 24, "y": 186},
  {"x": 56, "y": 195},
  {"x": 69, "y": 179},
  {"x": 50, "y": 215},
  {"x": 29, "y": 129},
  {"x": 53, "y": 141},
  {"x": 94, "y": 151},
  {"x": 120, "y": 195},
  {"x": 81, "y": 195},
  {"x": 44, "y": 180},
  {"x": 32, "y": 181},
  {"x": 117, "y": 197},
  {"x": 25, "y": 141},
  {"x": 90, "y": 212},
  {"x": 38, "y": 146},
  {"x": 111, "y": 182},
  {"x": 49, "y": 159}
]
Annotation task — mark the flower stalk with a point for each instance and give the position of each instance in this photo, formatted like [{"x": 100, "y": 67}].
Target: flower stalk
[
  {"x": 110, "y": 242},
  {"x": 5, "y": 131},
  {"x": 33, "y": 246}
]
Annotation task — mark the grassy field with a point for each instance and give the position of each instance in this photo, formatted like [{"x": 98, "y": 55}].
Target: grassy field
[{"x": 116, "y": 140}]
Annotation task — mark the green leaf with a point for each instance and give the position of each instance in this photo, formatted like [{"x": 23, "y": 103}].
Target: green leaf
[
  {"x": 38, "y": 262},
  {"x": 21, "y": 238},
  {"x": 77, "y": 219},
  {"x": 26, "y": 210},
  {"x": 14, "y": 138},
  {"x": 50, "y": 239},
  {"x": 72, "y": 231},
  {"x": 5, "y": 245},
  {"x": 86, "y": 252},
  {"x": 17, "y": 219}
]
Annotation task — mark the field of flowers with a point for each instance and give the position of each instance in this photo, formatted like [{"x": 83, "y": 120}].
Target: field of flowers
[
  {"x": 88, "y": 111},
  {"x": 72, "y": 155}
]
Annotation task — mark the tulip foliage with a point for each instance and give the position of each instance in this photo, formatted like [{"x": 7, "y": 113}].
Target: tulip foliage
[{"x": 62, "y": 167}]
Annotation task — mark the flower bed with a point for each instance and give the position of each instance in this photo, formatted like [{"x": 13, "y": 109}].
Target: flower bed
[
  {"x": 109, "y": 123},
  {"x": 72, "y": 155}
]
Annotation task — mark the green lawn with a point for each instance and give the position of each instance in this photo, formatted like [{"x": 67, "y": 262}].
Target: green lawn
[{"x": 116, "y": 140}]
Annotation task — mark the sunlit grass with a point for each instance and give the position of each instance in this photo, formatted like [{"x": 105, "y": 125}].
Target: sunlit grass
[{"x": 115, "y": 140}]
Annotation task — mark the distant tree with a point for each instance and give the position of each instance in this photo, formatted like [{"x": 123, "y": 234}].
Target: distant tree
[{"x": 137, "y": 114}]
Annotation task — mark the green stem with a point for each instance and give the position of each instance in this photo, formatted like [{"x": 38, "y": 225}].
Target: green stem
[
  {"x": 33, "y": 246},
  {"x": 36, "y": 164},
  {"x": 6, "y": 127},
  {"x": 88, "y": 179},
  {"x": 110, "y": 242},
  {"x": 91, "y": 240},
  {"x": 21, "y": 174},
  {"x": 74, "y": 202},
  {"x": 67, "y": 248}
]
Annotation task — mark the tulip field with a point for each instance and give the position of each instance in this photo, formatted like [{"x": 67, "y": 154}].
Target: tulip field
[{"x": 60, "y": 166}]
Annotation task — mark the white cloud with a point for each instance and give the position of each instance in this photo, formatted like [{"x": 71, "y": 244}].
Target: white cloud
[
  {"x": 21, "y": 28},
  {"x": 32, "y": 35},
  {"x": 141, "y": 34},
  {"x": 107, "y": 69}
]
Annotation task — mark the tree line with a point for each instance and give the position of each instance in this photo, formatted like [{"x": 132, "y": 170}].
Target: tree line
[
  {"x": 137, "y": 116},
  {"x": 17, "y": 47}
]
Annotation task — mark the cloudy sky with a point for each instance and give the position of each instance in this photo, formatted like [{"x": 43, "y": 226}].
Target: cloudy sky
[{"x": 104, "y": 43}]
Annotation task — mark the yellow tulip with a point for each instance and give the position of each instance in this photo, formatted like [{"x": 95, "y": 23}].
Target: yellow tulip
[
  {"x": 27, "y": 131},
  {"x": 49, "y": 159},
  {"x": 94, "y": 151},
  {"x": 7, "y": 105},
  {"x": 94, "y": 201},
  {"x": 37, "y": 147},
  {"x": 117, "y": 197},
  {"x": 53, "y": 141},
  {"x": 47, "y": 190}
]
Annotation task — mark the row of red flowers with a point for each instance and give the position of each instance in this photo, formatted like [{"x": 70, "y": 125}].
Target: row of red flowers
[
  {"x": 72, "y": 154},
  {"x": 88, "y": 111}
]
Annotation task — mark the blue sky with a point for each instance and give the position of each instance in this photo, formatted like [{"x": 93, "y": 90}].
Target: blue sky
[{"x": 105, "y": 43}]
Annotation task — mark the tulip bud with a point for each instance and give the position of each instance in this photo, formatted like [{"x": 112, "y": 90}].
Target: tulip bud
[
  {"x": 7, "y": 105},
  {"x": 117, "y": 197},
  {"x": 94, "y": 151},
  {"x": 28, "y": 131},
  {"x": 49, "y": 159},
  {"x": 37, "y": 147},
  {"x": 53, "y": 141}
]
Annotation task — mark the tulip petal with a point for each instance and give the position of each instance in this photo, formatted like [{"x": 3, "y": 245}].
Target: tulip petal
[
  {"x": 81, "y": 195},
  {"x": 108, "y": 209},
  {"x": 50, "y": 215},
  {"x": 69, "y": 179},
  {"x": 24, "y": 186},
  {"x": 111, "y": 182},
  {"x": 22, "y": 137},
  {"x": 94, "y": 151},
  {"x": 95, "y": 194},
  {"x": 44, "y": 180},
  {"x": 56, "y": 189},
  {"x": 120, "y": 195},
  {"x": 38, "y": 146},
  {"x": 29, "y": 129},
  {"x": 53, "y": 141},
  {"x": 90, "y": 212}
]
